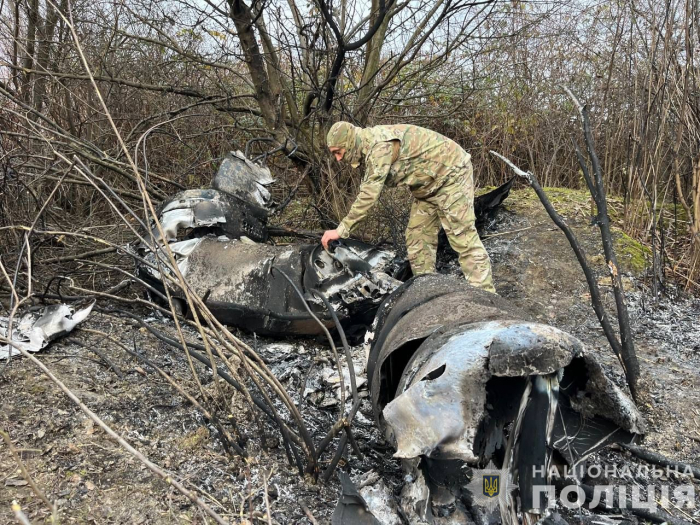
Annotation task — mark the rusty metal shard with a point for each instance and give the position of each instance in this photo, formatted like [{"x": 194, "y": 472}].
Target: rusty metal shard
[{"x": 36, "y": 330}]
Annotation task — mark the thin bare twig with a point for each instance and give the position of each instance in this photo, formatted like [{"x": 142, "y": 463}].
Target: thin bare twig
[{"x": 25, "y": 474}]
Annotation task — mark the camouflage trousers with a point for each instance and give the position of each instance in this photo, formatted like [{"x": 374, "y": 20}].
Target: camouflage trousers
[{"x": 453, "y": 207}]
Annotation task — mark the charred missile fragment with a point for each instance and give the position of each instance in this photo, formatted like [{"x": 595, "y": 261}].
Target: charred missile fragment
[
  {"x": 461, "y": 379},
  {"x": 217, "y": 237},
  {"x": 237, "y": 205},
  {"x": 238, "y": 279}
]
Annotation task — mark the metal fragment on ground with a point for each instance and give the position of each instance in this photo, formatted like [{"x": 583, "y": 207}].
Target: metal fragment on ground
[
  {"x": 216, "y": 236},
  {"x": 352, "y": 508},
  {"x": 244, "y": 283},
  {"x": 35, "y": 330},
  {"x": 245, "y": 179},
  {"x": 455, "y": 371}
]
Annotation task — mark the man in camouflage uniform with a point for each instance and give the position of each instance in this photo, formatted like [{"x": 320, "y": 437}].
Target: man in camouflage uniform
[{"x": 439, "y": 174}]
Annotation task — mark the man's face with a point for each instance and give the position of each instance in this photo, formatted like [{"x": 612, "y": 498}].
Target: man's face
[{"x": 338, "y": 153}]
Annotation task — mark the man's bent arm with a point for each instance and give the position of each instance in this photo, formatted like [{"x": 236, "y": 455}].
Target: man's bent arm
[{"x": 378, "y": 164}]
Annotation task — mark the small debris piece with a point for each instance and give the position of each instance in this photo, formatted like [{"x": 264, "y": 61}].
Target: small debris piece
[
  {"x": 351, "y": 508},
  {"x": 35, "y": 331}
]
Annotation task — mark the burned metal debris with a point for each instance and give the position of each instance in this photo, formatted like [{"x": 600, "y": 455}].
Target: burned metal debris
[
  {"x": 236, "y": 206},
  {"x": 244, "y": 179},
  {"x": 35, "y": 330},
  {"x": 217, "y": 237},
  {"x": 197, "y": 212},
  {"x": 454, "y": 372},
  {"x": 241, "y": 289},
  {"x": 351, "y": 508}
]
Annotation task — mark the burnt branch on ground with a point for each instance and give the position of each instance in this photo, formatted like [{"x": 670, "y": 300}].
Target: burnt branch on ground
[
  {"x": 627, "y": 361},
  {"x": 602, "y": 220}
]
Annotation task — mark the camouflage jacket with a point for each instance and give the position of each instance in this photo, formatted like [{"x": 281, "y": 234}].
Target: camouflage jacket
[{"x": 403, "y": 154}]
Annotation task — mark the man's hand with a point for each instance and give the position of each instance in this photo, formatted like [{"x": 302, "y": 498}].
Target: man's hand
[{"x": 330, "y": 235}]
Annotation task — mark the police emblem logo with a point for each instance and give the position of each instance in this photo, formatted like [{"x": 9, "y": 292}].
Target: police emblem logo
[{"x": 491, "y": 485}]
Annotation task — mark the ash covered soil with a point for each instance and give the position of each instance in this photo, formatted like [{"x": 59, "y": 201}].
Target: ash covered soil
[{"x": 92, "y": 480}]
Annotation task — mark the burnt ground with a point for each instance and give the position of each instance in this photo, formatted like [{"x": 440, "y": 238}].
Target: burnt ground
[{"x": 92, "y": 480}]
